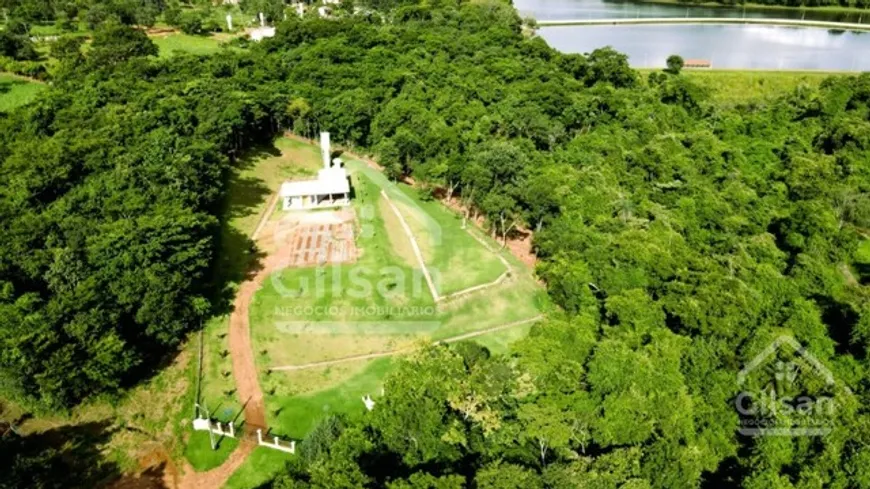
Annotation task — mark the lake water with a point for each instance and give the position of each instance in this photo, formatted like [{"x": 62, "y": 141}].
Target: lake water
[{"x": 726, "y": 46}]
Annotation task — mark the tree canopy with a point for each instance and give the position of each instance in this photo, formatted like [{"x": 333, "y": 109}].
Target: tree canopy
[{"x": 679, "y": 239}]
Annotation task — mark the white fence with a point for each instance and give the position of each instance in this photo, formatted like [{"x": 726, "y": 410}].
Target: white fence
[{"x": 204, "y": 424}]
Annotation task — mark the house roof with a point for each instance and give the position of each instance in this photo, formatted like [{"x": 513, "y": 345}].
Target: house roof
[{"x": 329, "y": 181}]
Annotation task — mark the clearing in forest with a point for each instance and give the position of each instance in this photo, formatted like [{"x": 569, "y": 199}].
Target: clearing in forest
[
  {"x": 371, "y": 298},
  {"x": 16, "y": 91},
  {"x": 379, "y": 303}
]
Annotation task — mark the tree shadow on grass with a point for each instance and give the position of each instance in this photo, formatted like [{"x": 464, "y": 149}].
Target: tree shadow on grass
[
  {"x": 69, "y": 456},
  {"x": 863, "y": 270},
  {"x": 245, "y": 193},
  {"x": 238, "y": 258}
]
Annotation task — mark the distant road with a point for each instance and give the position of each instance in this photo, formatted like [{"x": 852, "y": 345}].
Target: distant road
[{"x": 706, "y": 20}]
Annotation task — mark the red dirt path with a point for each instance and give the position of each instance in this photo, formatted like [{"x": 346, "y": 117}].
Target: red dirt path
[{"x": 244, "y": 372}]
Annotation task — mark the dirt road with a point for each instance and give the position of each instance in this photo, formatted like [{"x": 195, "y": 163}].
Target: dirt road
[{"x": 244, "y": 371}]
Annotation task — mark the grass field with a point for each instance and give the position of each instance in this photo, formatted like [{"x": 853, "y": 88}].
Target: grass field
[
  {"x": 16, "y": 91},
  {"x": 260, "y": 468},
  {"x": 304, "y": 315},
  {"x": 732, "y": 87},
  {"x": 200, "y": 455},
  {"x": 453, "y": 256},
  {"x": 186, "y": 43},
  {"x": 735, "y": 87}
]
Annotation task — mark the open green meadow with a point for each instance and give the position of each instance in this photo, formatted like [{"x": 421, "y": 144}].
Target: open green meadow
[
  {"x": 199, "y": 453},
  {"x": 261, "y": 467},
  {"x": 185, "y": 43},
  {"x": 454, "y": 257},
  {"x": 16, "y": 91},
  {"x": 735, "y": 87},
  {"x": 743, "y": 86}
]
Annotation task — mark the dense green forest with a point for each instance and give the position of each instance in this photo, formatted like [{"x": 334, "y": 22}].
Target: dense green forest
[{"x": 678, "y": 237}]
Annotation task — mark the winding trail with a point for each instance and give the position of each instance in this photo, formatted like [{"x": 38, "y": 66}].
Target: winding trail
[
  {"x": 244, "y": 369},
  {"x": 371, "y": 356}
]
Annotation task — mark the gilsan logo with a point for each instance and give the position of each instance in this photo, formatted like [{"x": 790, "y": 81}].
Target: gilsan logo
[{"x": 779, "y": 404}]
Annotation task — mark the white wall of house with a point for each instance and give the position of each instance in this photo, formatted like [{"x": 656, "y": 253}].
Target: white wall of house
[{"x": 302, "y": 202}]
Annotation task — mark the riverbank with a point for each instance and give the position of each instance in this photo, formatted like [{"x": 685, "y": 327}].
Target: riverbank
[
  {"x": 760, "y": 7},
  {"x": 852, "y": 26}
]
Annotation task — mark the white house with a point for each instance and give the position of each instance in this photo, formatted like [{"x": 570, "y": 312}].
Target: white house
[{"x": 331, "y": 188}]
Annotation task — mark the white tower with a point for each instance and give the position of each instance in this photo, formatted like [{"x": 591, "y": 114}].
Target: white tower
[
  {"x": 262, "y": 20},
  {"x": 324, "y": 149},
  {"x": 229, "y": 22}
]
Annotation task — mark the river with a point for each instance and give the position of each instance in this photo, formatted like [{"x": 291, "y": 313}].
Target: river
[{"x": 726, "y": 46}]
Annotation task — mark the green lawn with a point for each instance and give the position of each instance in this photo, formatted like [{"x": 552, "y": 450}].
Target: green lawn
[
  {"x": 16, "y": 91},
  {"x": 260, "y": 468},
  {"x": 299, "y": 414},
  {"x": 453, "y": 256},
  {"x": 168, "y": 45},
  {"x": 200, "y": 455}
]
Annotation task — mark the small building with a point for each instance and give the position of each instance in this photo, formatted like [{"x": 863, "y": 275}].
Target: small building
[
  {"x": 324, "y": 11},
  {"x": 331, "y": 188}
]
